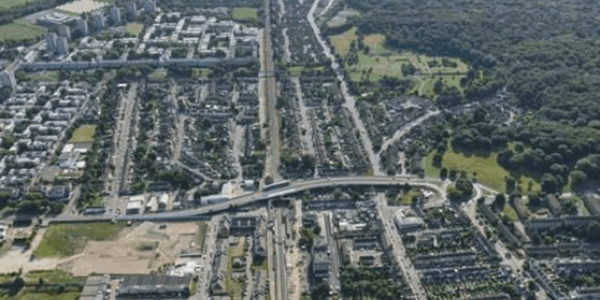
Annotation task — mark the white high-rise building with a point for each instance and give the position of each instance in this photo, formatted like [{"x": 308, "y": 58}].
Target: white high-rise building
[
  {"x": 115, "y": 15},
  {"x": 131, "y": 9},
  {"x": 51, "y": 42},
  {"x": 8, "y": 79},
  {"x": 82, "y": 26},
  {"x": 64, "y": 31},
  {"x": 98, "y": 20},
  {"x": 62, "y": 45},
  {"x": 150, "y": 5}
]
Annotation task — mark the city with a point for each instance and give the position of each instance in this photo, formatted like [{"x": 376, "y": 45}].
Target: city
[{"x": 299, "y": 149}]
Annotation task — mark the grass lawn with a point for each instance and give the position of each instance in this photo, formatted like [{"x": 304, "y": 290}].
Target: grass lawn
[
  {"x": 135, "y": 28},
  {"x": 20, "y": 30},
  {"x": 201, "y": 73},
  {"x": 44, "y": 76},
  {"x": 63, "y": 240},
  {"x": 341, "y": 42},
  {"x": 202, "y": 228},
  {"x": 381, "y": 61},
  {"x": 245, "y": 14},
  {"x": 43, "y": 296},
  {"x": 158, "y": 75},
  {"x": 234, "y": 288},
  {"x": 7, "y": 4},
  {"x": 510, "y": 212},
  {"x": 83, "y": 134},
  {"x": 53, "y": 276},
  {"x": 487, "y": 170}
]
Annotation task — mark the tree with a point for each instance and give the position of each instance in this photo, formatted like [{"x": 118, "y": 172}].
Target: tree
[
  {"x": 499, "y": 202},
  {"x": 549, "y": 183},
  {"x": 593, "y": 232},
  {"x": 578, "y": 178},
  {"x": 443, "y": 173}
]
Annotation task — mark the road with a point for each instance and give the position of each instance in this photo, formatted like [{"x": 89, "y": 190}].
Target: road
[
  {"x": 270, "y": 256},
  {"x": 280, "y": 238},
  {"x": 411, "y": 276},
  {"x": 122, "y": 144},
  {"x": 406, "y": 129},
  {"x": 270, "y": 94},
  {"x": 334, "y": 280},
  {"x": 206, "y": 262},
  {"x": 294, "y": 188},
  {"x": 350, "y": 101}
]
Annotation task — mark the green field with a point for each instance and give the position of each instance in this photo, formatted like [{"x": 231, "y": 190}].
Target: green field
[
  {"x": 20, "y": 30},
  {"x": 53, "y": 276},
  {"x": 158, "y": 75},
  {"x": 234, "y": 287},
  {"x": 44, "y": 76},
  {"x": 135, "y": 28},
  {"x": 245, "y": 14},
  {"x": 63, "y": 240},
  {"x": 486, "y": 169},
  {"x": 7, "y": 4},
  {"x": 202, "y": 228},
  {"x": 510, "y": 212},
  {"x": 380, "y": 61},
  {"x": 83, "y": 134},
  {"x": 42, "y": 296}
]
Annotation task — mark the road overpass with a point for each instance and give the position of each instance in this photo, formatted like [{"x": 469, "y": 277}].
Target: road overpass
[{"x": 294, "y": 188}]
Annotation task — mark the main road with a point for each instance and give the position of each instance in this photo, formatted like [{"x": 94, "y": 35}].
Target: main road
[{"x": 294, "y": 188}]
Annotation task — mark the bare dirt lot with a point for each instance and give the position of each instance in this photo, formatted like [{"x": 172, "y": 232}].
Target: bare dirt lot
[{"x": 138, "y": 249}]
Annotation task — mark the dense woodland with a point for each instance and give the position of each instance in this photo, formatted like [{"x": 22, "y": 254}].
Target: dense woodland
[{"x": 546, "y": 55}]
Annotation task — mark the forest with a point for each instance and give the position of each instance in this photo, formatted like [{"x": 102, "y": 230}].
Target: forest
[{"x": 544, "y": 53}]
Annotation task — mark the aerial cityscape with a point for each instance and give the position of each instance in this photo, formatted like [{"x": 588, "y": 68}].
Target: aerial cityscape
[{"x": 299, "y": 149}]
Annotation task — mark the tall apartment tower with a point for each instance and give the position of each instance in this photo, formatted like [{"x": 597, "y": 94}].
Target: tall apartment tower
[
  {"x": 82, "y": 26},
  {"x": 64, "y": 31},
  {"x": 8, "y": 79},
  {"x": 51, "y": 42},
  {"x": 131, "y": 9},
  {"x": 98, "y": 20},
  {"x": 150, "y": 5},
  {"x": 62, "y": 45},
  {"x": 115, "y": 15}
]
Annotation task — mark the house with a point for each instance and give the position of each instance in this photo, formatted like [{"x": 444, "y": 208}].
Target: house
[
  {"x": 154, "y": 287},
  {"x": 553, "y": 205}
]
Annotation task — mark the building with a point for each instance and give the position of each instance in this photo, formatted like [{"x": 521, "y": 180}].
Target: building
[
  {"x": 553, "y": 205},
  {"x": 115, "y": 15},
  {"x": 243, "y": 225},
  {"x": 82, "y": 26},
  {"x": 64, "y": 31},
  {"x": 7, "y": 78},
  {"x": 150, "y": 6},
  {"x": 99, "y": 21},
  {"x": 320, "y": 259},
  {"x": 131, "y": 9},
  {"x": 95, "y": 288},
  {"x": 62, "y": 45},
  {"x": 219, "y": 267},
  {"x": 51, "y": 42},
  {"x": 154, "y": 287}
]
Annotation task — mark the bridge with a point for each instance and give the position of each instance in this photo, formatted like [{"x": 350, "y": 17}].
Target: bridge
[{"x": 294, "y": 188}]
